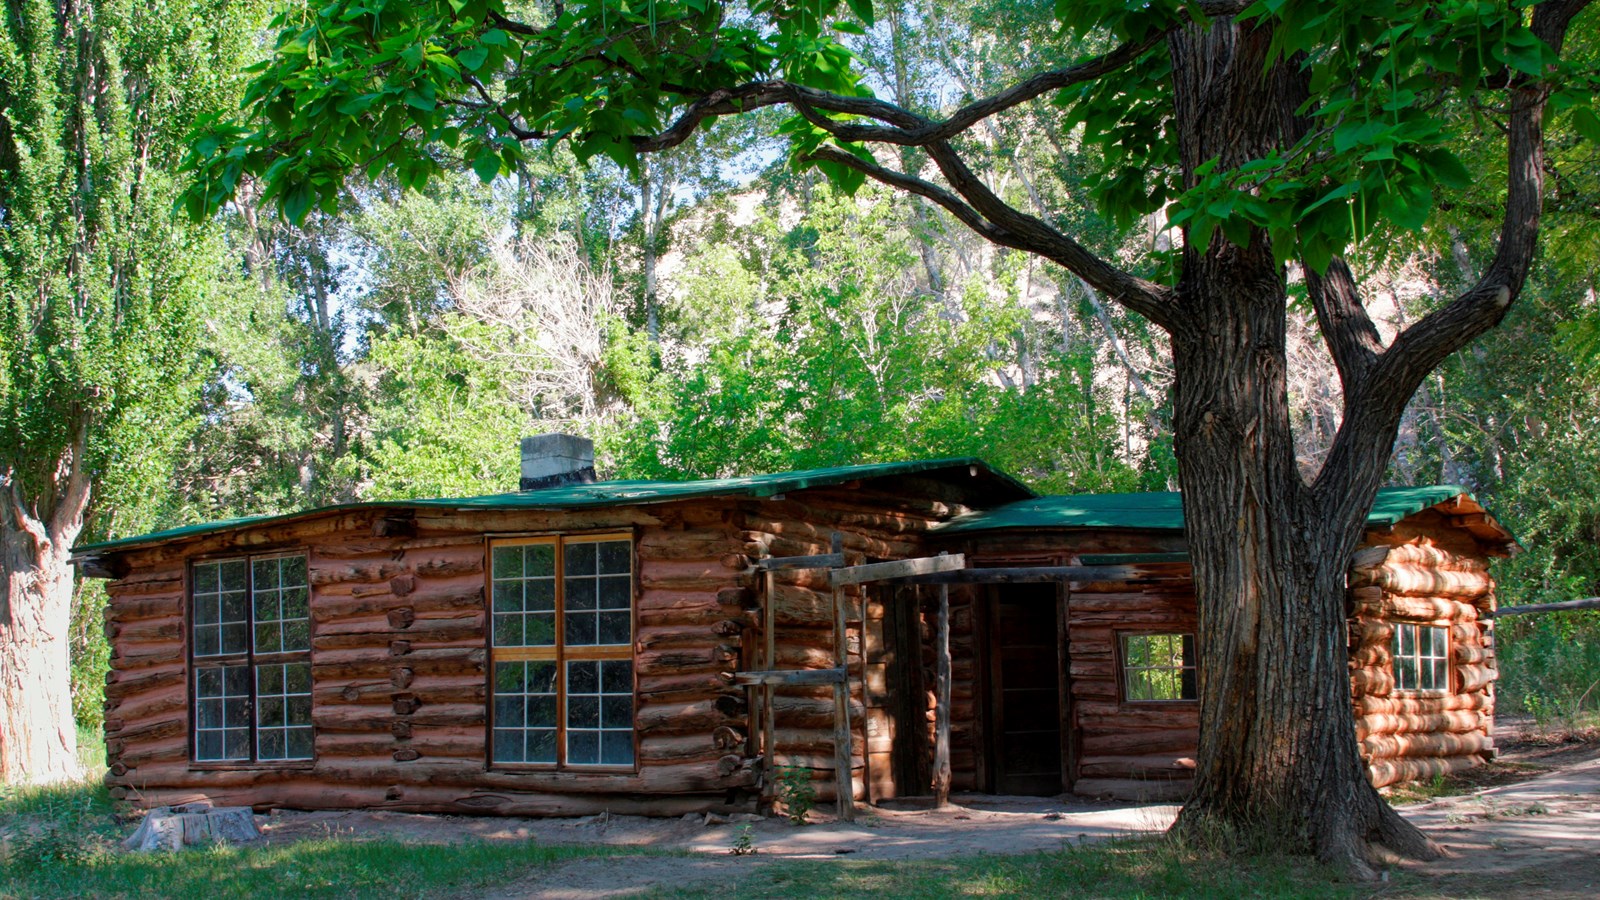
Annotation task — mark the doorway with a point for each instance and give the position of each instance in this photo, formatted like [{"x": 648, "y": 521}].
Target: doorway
[{"x": 1024, "y": 712}]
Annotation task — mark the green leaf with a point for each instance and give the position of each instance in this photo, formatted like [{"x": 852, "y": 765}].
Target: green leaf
[
  {"x": 486, "y": 163},
  {"x": 1587, "y": 123},
  {"x": 863, "y": 11},
  {"x": 473, "y": 58}
]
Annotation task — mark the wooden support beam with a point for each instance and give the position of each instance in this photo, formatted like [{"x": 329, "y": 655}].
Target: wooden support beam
[
  {"x": 1028, "y": 574},
  {"x": 789, "y": 563},
  {"x": 769, "y": 635},
  {"x": 791, "y": 677},
  {"x": 1535, "y": 608},
  {"x": 941, "y": 720},
  {"x": 897, "y": 569},
  {"x": 844, "y": 789}
]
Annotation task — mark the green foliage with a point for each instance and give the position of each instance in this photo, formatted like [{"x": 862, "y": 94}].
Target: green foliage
[
  {"x": 796, "y": 792},
  {"x": 744, "y": 842},
  {"x": 91, "y": 656},
  {"x": 99, "y": 288},
  {"x": 815, "y": 346},
  {"x": 444, "y": 422},
  {"x": 1550, "y": 666}
]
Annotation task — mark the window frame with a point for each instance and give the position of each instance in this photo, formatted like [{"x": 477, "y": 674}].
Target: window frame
[
  {"x": 1416, "y": 659},
  {"x": 249, "y": 659},
  {"x": 1119, "y": 637},
  {"x": 558, "y": 652}
]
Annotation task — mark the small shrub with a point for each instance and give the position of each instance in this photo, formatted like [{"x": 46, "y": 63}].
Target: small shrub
[
  {"x": 744, "y": 843},
  {"x": 796, "y": 792}
]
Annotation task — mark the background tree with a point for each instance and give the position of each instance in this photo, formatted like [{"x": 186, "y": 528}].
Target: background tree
[{"x": 100, "y": 290}]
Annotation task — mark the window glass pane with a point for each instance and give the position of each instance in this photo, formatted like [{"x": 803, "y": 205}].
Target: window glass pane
[
  {"x": 542, "y": 745},
  {"x": 615, "y": 627},
  {"x": 508, "y": 744},
  {"x": 583, "y": 678},
  {"x": 508, "y": 630},
  {"x": 539, "y": 560},
  {"x": 299, "y": 743},
  {"x": 293, "y": 571},
  {"x": 580, "y": 559},
  {"x": 616, "y": 748},
  {"x": 205, "y": 578},
  {"x": 615, "y": 557},
  {"x": 583, "y": 747},
  {"x": 615, "y": 592},
  {"x": 266, "y": 574},
  {"x": 540, "y": 629},
  {"x": 508, "y": 712},
  {"x": 507, "y": 596},
  {"x": 233, "y": 575},
  {"x": 582, "y": 628},
  {"x": 539, "y": 594},
  {"x": 507, "y": 562},
  {"x": 580, "y": 594}
]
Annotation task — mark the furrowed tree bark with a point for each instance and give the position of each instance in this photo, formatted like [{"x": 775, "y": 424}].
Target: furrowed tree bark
[{"x": 38, "y": 736}]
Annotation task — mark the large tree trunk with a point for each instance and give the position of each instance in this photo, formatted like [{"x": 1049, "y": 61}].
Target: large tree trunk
[
  {"x": 1278, "y": 763},
  {"x": 38, "y": 738}
]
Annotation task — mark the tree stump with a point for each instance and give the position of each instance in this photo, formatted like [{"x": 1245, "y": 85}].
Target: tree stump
[{"x": 176, "y": 827}]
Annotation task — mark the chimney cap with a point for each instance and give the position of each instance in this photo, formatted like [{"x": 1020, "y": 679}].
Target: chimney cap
[{"x": 551, "y": 460}]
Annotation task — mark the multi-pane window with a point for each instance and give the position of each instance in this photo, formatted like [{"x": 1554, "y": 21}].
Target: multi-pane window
[
  {"x": 1159, "y": 667},
  {"x": 1421, "y": 657},
  {"x": 562, "y": 644},
  {"x": 251, "y": 646}
]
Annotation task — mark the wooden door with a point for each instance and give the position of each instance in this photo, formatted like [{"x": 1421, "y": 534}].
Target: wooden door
[
  {"x": 896, "y": 727},
  {"x": 1025, "y": 713}
]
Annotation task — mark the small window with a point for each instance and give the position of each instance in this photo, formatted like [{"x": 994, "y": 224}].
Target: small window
[
  {"x": 251, "y": 643},
  {"x": 1421, "y": 658},
  {"x": 562, "y": 647},
  {"x": 1158, "y": 667}
]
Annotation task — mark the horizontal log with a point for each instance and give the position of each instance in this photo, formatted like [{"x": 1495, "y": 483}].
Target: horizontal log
[
  {"x": 467, "y": 563},
  {"x": 1427, "y": 555},
  {"x": 144, "y": 608},
  {"x": 312, "y": 794},
  {"x": 678, "y": 748},
  {"x": 1385, "y": 772},
  {"x": 1377, "y": 682},
  {"x": 1149, "y": 740},
  {"x": 331, "y": 608},
  {"x": 683, "y": 660},
  {"x": 1425, "y": 581},
  {"x": 364, "y": 573},
  {"x": 1367, "y": 706},
  {"x": 1389, "y": 746},
  {"x": 1373, "y": 601},
  {"x": 681, "y": 717},
  {"x": 896, "y": 569},
  {"x": 1452, "y": 721},
  {"x": 1165, "y": 765},
  {"x": 685, "y": 687},
  {"x": 1166, "y": 715}
]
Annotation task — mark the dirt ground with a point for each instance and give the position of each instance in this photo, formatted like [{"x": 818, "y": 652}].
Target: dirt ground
[{"x": 1529, "y": 825}]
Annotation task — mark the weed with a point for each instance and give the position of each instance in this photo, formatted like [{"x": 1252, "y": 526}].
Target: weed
[
  {"x": 744, "y": 843},
  {"x": 797, "y": 792}
]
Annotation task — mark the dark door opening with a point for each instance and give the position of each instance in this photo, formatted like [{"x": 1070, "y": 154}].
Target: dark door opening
[{"x": 1024, "y": 710}]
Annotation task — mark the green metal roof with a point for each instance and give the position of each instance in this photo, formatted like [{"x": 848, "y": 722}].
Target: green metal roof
[
  {"x": 597, "y": 495},
  {"x": 1160, "y": 510}
]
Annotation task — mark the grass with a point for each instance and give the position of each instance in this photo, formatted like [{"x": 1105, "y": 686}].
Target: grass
[
  {"x": 1128, "y": 868},
  {"x": 61, "y": 841}
]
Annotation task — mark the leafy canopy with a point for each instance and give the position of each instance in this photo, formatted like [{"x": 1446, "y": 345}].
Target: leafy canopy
[{"x": 410, "y": 88}]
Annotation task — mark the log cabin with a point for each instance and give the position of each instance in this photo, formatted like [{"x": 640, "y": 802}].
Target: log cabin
[{"x": 578, "y": 646}]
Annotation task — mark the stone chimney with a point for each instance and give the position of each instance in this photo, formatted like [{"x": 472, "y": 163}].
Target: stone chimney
[{"x": 552, "y": 460}]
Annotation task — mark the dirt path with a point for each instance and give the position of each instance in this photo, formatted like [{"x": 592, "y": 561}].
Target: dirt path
[{"x": 1537, "y": 838}]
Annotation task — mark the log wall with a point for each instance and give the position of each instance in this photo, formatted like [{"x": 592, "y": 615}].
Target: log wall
[
  {"x": 399, "y": 668},
  {"x": 1423, "y": 572}
]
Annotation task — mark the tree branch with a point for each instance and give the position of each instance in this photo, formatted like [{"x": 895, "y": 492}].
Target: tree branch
[
  {"x": 1374, "y": 409},
  {"x": 1151, "y": 300},
  {"x": 913, "y": 185},
  {"x": 1352, "y": 339},
  {"x": 919, "y": 132}
]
